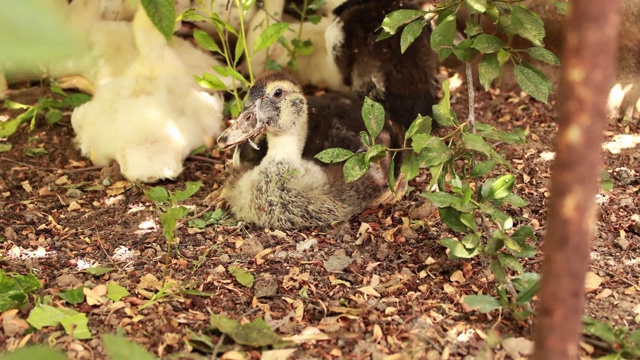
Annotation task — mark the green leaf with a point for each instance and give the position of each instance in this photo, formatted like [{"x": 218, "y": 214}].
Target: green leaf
[
  {"x": 511, "y": 199},
  {"x": 421, "y": 125},
  {"x": 73, "y": 322},
  {"x": 510, "y": 261},
  {"x": 562, "y": 7},
  {"x": 14, "y": 290},
  {"x": 53, "y": 116},
  {"x": 120, "y": 348},
  {"x": 477, "y": 6},
  {"x": 399, "y": 18},
  {"x": 471, "y": 241},
  {"x": 169, "y": 221},
  {"x": 488, "y": 70},
  {"x": 605, "y": 183},
  {"x": 483, "y": 303},
  {"x": 162, "y": 14},
  {"x": 543, "y": 54},
  {"x": 516, "y": 135},
  {"x": 528, "y": 285},
  {"x": 373, "y": 115},
  {"x": 469, "y": 221},
  {"x": 270, "y": 35},
  {"x": 488, "y": 43},
  {"x": 74, "y": 296},
  {"x": 375, "y": 152},
  {"x": 443, "y": 35},
  {"x": 410, "y": 34},
  {"x": 484, "y": 167},
  {"x": 76, "y": 324},
  {"x": 498, "y": 271},
  {"x": 451, "y": 217},
  {"x": 472, "y": 28},
  {"x": 5, "y": 147},
  {"x": 157, "y": 194},
  {"x": 31, "y": 352},
  {"x": 33, "y": 152},
  {"x": 190, "y": 189},
  {"x": 98, "y": 271},
  {"x": 501, "y": 187},
  {"x": 442, "y": 112},
  {"x": 421, "y": 141},
  {"x": 464, "y": 51},
  {"x": 210, "y": 81},
  {"x": 241, "y": 275},
  {"x": 206, "y": 41},
  {"x": 355, "y": 167},
  {"x": 116, "y": 292},
  {"x": 494, "y": 244},
  {"x": 227, "y": 71},
  {"x": 256, "y": 334},
  {"x": 527, "y": 24},
  {"x": 476, "y": 143},
  {"x": 211, "y": 217},
  {"x": 457, "y": 249},
  {"x": 604, "y": 331},
  {"x": 410, "y": 166},
  {"x": 440, "y": 199},
  {"x": 224, "y": 324}
]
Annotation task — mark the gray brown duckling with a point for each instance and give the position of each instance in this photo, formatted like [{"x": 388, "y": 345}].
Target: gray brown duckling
[{"x": 286, "y": 189}]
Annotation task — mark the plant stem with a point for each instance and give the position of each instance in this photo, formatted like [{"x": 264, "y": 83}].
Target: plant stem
[
  {"x": 470, "y": 90},
  {"x": 244, "y": 39}
]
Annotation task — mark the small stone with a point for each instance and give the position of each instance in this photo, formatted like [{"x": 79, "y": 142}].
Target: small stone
[
  {"x": 338, "y": 261},
  {"x": 626, "y": 201},
  {"x": 383, "y": 252},
  {"x": 67, "y": 281},
  {"x": 10, "y": 234},
  {"x": 423, "y": 211},
  {"x": 75, "y": 194},
  {"x": 49, "y": 179},
  {"x": 622, "y": 243},
  {"x": 62, "y": 180},
  {"x": 635, "y": 227},
  {"x": 74, "y": 206},
  {"x": 251, "y": 247},
  {"x": 265, "y": 285}
]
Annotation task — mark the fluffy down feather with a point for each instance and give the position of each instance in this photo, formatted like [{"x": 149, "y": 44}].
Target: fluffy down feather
[{"x": 149, "y": 117}]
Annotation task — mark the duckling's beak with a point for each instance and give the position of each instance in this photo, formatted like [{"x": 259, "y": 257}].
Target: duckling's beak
[{"x": 247, "y": 125}]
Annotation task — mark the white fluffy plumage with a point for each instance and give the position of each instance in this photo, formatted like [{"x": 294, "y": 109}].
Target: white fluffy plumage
[{"x": 148, "y": 114}]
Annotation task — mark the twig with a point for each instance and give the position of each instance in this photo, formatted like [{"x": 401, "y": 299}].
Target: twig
[
  {"x": 217, "y": 348},
  {"x": 204, "y": 159},
  {"x": 613, "y": 274},
  {"x": 470, "y": 90},
  {"x": 92, "y": 168}
]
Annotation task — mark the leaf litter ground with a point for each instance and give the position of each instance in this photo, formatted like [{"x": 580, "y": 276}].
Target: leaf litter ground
[{"x": 376, "y": 286}]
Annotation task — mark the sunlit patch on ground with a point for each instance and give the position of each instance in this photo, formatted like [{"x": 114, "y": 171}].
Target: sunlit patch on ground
[{"x": 622, "y": 141}]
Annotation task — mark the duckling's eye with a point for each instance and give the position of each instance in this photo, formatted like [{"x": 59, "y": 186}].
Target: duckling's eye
[{"x": 277, "y": 93}]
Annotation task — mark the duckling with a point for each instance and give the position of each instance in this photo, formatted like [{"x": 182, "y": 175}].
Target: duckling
[
  {"x": 286, "y": 190},
  {"x": 150, "y": 114},
  {"x": 405, "y": 84}
]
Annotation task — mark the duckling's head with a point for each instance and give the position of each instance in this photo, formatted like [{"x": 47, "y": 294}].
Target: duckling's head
[{"x": 275, "y": 105}]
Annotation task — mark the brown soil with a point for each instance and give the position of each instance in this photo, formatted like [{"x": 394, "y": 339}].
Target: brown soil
[{"x": 398, "y": 294}]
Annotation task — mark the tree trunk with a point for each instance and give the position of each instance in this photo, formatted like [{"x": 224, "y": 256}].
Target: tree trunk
[{"x": 587, "y": 73}]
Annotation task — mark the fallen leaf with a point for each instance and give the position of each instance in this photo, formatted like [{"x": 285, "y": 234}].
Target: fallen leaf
[
  {"x": 92, "y": 297},
  {"x": 604, "y": 293},
  {"x": 592, "y": 281},
  {"x": 281, "y": 354},
  {"x": 458, "y": 277}
]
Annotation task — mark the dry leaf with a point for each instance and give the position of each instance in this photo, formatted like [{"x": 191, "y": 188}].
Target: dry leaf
[
  {"x": 592, "y": 281},
  {"x": 458, "y": 277},
  {"x": 92, "y": 297},
  {"x": 308, "y": 334},
  {"x": 258, "y": 259},
  {"x": 369, "y": 290},
  {"x": 604, "y": 293},
  {"x": 281, "y": 354}
]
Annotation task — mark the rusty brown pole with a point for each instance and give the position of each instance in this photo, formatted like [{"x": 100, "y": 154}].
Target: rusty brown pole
[{"x": 587, "y": 74}]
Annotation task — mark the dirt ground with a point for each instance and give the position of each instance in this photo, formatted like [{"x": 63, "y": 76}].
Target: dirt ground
[{"x": 341, "y": 294}]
